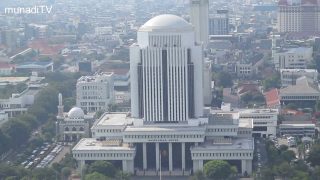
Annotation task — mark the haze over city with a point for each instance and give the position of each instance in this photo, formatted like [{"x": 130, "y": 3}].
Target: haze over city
[{"x": 149, "y": 89}]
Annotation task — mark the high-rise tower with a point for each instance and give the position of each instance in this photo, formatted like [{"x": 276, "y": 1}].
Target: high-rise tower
[
  {"x": 166, "y": 67},
  {"x": 199, "y": 17}
]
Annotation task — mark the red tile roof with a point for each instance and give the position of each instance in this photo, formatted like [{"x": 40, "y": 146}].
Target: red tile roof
[
  {"x": 4, "y": 65},
  {"x": 45, "y": 48},
  {"x": 272, "y": 98}
]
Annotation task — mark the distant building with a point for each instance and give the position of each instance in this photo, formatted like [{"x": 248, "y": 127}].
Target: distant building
[
  {"x": 207, "y": 78},
  {"x": 36, "y": 66},
  {"x": 96, "y": 92},
  {"x": 85, "y": 66},
  {"x": 10, "y": 39},
  {"x": 299, "y": 129},
  {"x": 298, "y": 16},
  {"x": 264, "y": 121},
  {"x": 293, "y": 58},
  {"x": 199, "y": 16},
  {"x": 289, "y": 76},
  {"x": 74, "y": 125},
  {"x": 6, "y": 69},
  {"x": 219, "y": 23},
  {"x": 244, "y": 70},
  {"x": 303, "y": 90},
  {"x": 18, "y": 103}
]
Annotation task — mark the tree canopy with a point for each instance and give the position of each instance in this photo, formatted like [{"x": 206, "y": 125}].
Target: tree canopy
[
  {"x": 103, "y": 167},
  {"x": 218, "y": 169}
]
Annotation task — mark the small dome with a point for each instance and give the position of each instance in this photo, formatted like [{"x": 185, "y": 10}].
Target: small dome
[
  {"x": 166, "y": 22},
  {"x": 76, "y": 113}
]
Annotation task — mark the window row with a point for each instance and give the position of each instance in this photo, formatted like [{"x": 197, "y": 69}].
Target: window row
[
  {"x": 222, "y": 154},
  {"x": 102, "y": 155},
  {"x": 162, "y": 136}
]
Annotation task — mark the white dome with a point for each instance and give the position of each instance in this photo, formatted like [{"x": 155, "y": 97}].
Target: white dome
[
  {"x": 166, "y": 22},
  {"x": 76, "y": 113}
]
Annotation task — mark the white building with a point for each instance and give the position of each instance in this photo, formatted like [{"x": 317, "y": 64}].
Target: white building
[
  {"x": 18, "y": 103},
  {"x": 167, "y": 129},
  {"x": 207, "y": 80},
  {"x": 219, "y": 24},
  {"x": 244, "y": 69},
  {"x": 166, "y": 67},
  {"x": 96, "y": 92},
  {"x": 297, "y": 129},
  {"x": 293, "y": 58},
  {"x": 289, "y": 76},
  {"x": 264, "y": 121},
  {"x": 72, "y": 126},
  {"x": 199, "y": 18}
]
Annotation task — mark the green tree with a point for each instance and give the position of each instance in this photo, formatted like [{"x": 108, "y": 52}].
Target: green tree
[
  {"x": 223, "y": 79},
  {"x": 44, "y": 174},
  {"x": 96, "y": 176},
  {"x": 103, "y": 167},
  {"x": 314, "y": 155},
  {"x": 288, "y": 155},
  {"x": 120, "y": 175},
  {"x": 17, "y": 131},
  {"x": 284, "y": 170},
  {"x": 217, "y": 169},
  {"x": 198, "y": 175},
  {"x": 272, "y": 82},
  {"x": 65, "y": 172}
]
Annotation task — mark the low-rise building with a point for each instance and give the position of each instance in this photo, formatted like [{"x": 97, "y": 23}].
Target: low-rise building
[
  {"x": 303, "y": 90},
  {"x": 37, "y": 66},
  {"x": 264, "y": 121},
  {"x": 293, "y": 58},
  {"x": 289, "y": 76},
  {"x": 299, "y": 129}
]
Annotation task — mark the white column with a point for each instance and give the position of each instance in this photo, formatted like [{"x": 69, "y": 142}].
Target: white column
[
  {"x": 197, "y": 165},
  {"x": 124, "y": 166},
  {"x": 170, "y": 157},
  {"x": 243, "y": 166},
  {"x": 144, "y": 152},
  {"x": 183, "y": 156},
  {"x": 249, "y": 166},
  {"x": 201, "y": 165},
  {"x": 157, "y": 156},
  {"x": 81, "y": 164}
]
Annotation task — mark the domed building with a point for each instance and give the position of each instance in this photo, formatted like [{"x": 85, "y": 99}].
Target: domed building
[
  {"x": 168, "y": 131},
  {"x": 72, "y": 126}
]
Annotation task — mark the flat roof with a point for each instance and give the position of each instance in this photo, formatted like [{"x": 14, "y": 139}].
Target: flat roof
[
  {"x": 91, "y": 144},
  {"x": 297, "y": 125},
  {"x": 165, "y": 128},
  {"x": 237, "y": 143},
  {"x": 245, "y": 123},
  {"x": 258, "y": 111},
  {"x": 13, "y": 79},
  {"x": 113, "y": 119}
]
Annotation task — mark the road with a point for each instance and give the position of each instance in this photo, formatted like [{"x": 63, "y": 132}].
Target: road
[{"x": 260, "y": 154}]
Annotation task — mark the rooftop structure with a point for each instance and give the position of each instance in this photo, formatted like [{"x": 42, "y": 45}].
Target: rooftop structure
[{"x": 96, "y": 92}]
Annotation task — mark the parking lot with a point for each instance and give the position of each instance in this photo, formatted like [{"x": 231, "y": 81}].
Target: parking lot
[{"x": 41, "y": 156}]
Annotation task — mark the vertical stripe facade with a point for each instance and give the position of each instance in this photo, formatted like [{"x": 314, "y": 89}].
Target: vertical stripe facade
[{"x": 164, "y": 83}]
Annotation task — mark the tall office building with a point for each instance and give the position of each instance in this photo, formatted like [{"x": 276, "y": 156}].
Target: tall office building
[
  {"x": 298, "y": 16},
  {"x": 166, "y": 71},
  {"x": 167, "y": 132},
  {"x": 219, "y": 23},
  {"x": 199, "y": 17}
]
